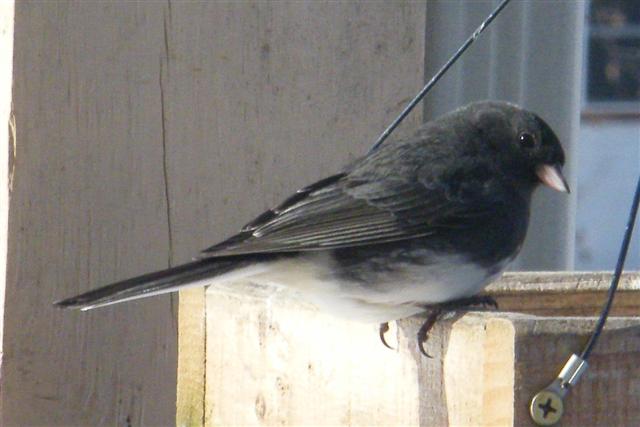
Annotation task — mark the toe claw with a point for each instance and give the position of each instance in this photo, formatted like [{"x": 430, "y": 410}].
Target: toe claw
[
  {"x": 422, "y": 350},
  {"x": 384, "y": 328},
  {"x": 423, "y": 332}
]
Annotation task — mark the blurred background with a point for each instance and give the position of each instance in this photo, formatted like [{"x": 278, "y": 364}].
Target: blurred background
[{"x": 609, "y": 138}]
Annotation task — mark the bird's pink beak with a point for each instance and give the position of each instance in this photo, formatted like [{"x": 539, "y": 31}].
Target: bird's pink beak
[{"x": 551, "y": 176}]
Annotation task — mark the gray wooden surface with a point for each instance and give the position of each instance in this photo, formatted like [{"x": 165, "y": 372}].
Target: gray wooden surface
[
  {"x": 6, "y": 140},
  {"x": 87, "y": 207},
  {"x": 147, "y": 131}
]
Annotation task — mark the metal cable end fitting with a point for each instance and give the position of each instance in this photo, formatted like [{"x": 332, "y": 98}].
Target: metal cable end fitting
[{"x": 547, "y": 406}]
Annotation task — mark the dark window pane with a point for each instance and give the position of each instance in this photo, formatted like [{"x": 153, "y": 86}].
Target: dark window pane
[
  {"x": 614, "y": 70},
  {"x": 614, "y": 51},
  {"x": 614, "y": 12}
]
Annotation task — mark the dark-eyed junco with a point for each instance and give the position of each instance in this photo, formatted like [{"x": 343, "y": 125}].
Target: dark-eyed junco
[{"x": 424, "y": 220}]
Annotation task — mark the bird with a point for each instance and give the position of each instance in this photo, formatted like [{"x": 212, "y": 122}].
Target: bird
[{"x": 421, "y": 222}]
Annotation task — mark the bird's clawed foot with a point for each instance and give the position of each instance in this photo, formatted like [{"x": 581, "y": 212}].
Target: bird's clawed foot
[{"x": 436, "y": 311}]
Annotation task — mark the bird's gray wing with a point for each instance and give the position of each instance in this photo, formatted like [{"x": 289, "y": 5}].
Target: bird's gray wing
[{"x": 340, "y": 211}]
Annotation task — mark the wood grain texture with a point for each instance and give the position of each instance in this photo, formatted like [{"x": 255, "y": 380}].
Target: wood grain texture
[
  {"x": 566, "y": 294},
  {"x": 88, "y": 207},
  {"x": 607, "y": 394},
  {"x": 479, "y": 372},
  {"x": 191, "y": 358}
]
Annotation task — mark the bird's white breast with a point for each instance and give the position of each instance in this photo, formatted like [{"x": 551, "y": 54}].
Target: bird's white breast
[{"x": 395, "y": 294}]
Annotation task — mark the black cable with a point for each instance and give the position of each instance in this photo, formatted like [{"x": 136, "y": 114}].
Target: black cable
[
  {"x": 616, "y": 276},
  {"x": 439, "y": 74}
]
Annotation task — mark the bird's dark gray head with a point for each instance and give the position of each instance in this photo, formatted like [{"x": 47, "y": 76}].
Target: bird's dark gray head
[{"x": 523, "y": 144}]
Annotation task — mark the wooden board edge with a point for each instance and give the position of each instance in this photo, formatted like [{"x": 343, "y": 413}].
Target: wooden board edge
[{"x": 190, "y": 410}]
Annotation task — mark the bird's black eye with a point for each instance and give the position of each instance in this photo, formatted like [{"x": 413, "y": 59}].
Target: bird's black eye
[{"x": 527, "y": 140}]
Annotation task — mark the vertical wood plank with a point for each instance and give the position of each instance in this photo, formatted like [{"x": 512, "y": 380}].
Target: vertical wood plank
[
  {"x": 191, "y": 376},
  {"x": 88, "y": 207},
  {"x": 7, "y": 152},
  {"x": 479, "y": 372}
]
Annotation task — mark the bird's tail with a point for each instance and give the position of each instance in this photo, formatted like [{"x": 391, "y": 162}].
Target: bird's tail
[{"x": 159, "y": 282}]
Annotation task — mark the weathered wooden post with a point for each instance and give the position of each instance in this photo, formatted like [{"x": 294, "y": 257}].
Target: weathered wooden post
[{"x": 87, "y": 205}]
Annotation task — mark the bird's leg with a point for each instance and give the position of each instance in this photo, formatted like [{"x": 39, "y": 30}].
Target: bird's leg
[
  {"x": 384, "y": 328},
  {"x": 437, "y": 310}
]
